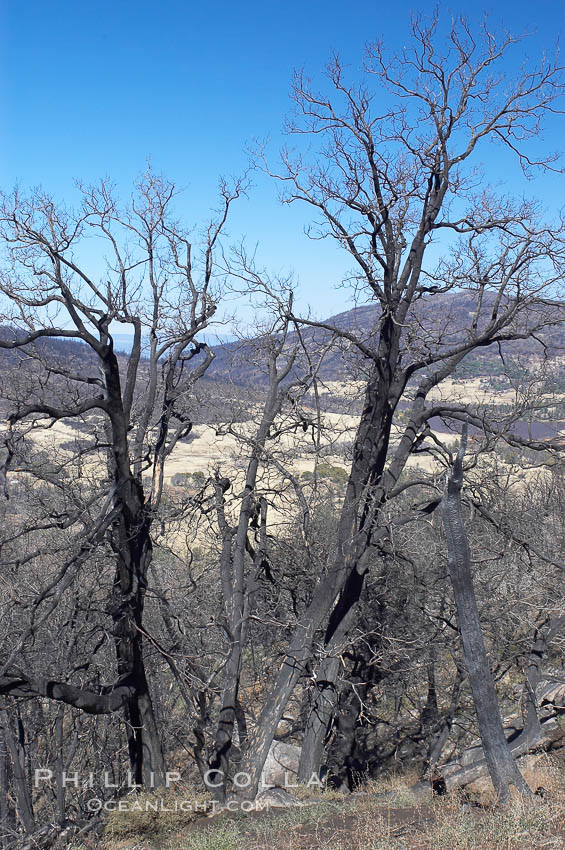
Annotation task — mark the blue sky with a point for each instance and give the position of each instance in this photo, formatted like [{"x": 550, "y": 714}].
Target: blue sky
[{"x": 94, "y": 88}]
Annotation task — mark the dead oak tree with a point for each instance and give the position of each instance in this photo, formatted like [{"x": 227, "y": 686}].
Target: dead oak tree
[
  {"x": 135, "y": 407},
  {"x": 397, "y": 171}
]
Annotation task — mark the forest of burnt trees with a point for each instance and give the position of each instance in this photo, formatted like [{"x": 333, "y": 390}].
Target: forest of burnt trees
[{"x": 373, "y": 612}]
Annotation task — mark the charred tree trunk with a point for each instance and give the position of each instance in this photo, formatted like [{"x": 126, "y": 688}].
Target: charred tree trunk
[
  {"x": 340, "y": 764},
  {"x": 232, "y": 569},
  {"x": 131, "y": 542},
  {"x": 325, "y": 697},
  {"x": 345, "y": 764},
  {"x": 16, "y": 750},
  {"x": 239, "y": 592},
  {"x": 354, "y": 534},
  {"x": 320, "y": 713},
  {"x": 502, "y": 767},
  {"x": 438, "y": 737},
  {"x": 60, "y": 764},
  {"x": 7, "y": 820},
  {"x": 542, "y": 639},
  {"x": 218, "y": 775},
  {"x": 430, "y": 711},
  {"x": 132, "y": 546}
]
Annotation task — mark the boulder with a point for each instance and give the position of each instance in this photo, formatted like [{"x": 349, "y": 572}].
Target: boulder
[
  {"x": 276, "y": 798},
  {"x": 281, "y": 766}
]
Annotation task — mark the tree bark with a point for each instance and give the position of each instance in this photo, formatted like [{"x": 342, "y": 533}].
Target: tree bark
[
  {"x": 542, "y": 639},
  {"x": 320, "y": 713},
  {"x": 325, "y": 697},
  {"x": 501, "y": 765},
  {"x": 438, "y": 737},
  {"x": 354, "y": 534},
  {"x": 6, "y": 813},
  {"x": 25, "y": 809},
  {"x": 131, "y": 543},
  {"x": 60, "y": 764},
  {"x": 132, "y": 546}
]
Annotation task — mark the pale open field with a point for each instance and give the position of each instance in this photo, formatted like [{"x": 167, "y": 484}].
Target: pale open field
[{"x": 224, "y": 449}]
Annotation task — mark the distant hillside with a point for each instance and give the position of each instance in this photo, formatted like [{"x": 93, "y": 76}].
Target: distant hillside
[{"x": 436, "y": 322}]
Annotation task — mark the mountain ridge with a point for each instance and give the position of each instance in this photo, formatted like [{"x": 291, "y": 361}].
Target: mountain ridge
[{"x": 436, "y": 321}]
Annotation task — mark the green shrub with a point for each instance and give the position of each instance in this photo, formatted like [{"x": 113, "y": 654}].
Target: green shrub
[{"x": 335, "y": 474}]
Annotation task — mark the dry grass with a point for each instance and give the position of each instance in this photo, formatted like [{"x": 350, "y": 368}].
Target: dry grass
[
  {"x": 155, "y": 814},
  {"x": 314, "y": 792},
  {"x": 462, "y": 821}
]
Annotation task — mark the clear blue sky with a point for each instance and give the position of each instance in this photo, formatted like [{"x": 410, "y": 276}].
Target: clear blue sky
[{"x": 94, "y": 88}]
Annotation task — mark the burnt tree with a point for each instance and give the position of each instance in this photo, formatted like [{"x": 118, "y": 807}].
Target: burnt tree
[
  {"x": 389, "y": 180},
  {"x": 134, "y": 406}
]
